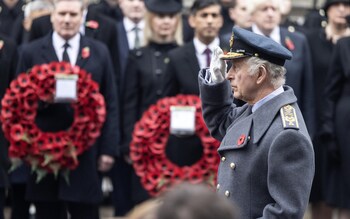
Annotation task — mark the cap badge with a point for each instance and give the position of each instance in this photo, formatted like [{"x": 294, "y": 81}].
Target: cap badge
[{"x": 231, "y": 40}]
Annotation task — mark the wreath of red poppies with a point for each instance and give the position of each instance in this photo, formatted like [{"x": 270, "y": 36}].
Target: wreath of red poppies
[
  {"x": 147, "y": 148},
  {"x": 50, "y": 152}
]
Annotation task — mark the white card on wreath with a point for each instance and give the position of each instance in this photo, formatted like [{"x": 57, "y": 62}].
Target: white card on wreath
[
  {"x": 182, "y": 120},
  {"x": 66, "y": 88}
]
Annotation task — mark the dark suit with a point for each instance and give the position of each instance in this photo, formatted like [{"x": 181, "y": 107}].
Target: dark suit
[
  {"x": 123, "y": 49},
  {"x": 106, "y": 33},
  {"x": 84, "y": 182},
  {"x": 8, "y": 61}
]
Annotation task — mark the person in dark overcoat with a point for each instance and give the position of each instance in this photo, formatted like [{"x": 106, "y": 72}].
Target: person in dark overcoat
[
  {"x": 299, "y": 68},
  {"x": 146, "y": 69},
  {"x": 8, "y": 62},
  {"x": 336, "y": 127},
  {"x": 54, "y": 197},
  {"x": 267, "y": 159},
  {"x": 94, "y": 25},
  {"x": 10, "y": 10},
  {"x": 322, "y": 41}
]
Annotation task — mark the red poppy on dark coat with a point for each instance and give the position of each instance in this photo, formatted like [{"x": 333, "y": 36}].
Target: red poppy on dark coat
[{"x": 17, "y": 132}]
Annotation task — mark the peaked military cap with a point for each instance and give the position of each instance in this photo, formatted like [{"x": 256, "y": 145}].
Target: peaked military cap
[
  {"x": 163, "y": 6},
  {"x": 244, "y": 43},
  {"x": 328, "y": 3}
]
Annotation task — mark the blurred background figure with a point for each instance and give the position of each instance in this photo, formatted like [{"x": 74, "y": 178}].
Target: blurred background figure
[
  {"x": 23, "y": 24},
  {"x": 9, "y": 11},
  {"x": 228, "y": 22},
  {"x": 286, "y": 21},
  {"x": 130, "y": 30},
  {"x": 187, "y": 201},
  {"x": 322, "y": 41},
  {"x": 109, "y": 8},
  {"x": 145, "y": 72},
  {"x": 240, "y": 14},
  {"x": 266, "y": 16}
]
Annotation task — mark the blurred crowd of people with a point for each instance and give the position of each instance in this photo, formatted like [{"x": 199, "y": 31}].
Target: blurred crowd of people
[{"x": 144, "y": 50}]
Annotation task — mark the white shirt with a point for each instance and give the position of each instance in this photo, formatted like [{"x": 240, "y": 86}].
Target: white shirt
[
  {"x": 275, "y": 34},
  {"x": 261, "y": 102},
  {"x": 130, "y": 33},
  {"x": 72, "y": 50},
  {"x": 201, "y": 47}
]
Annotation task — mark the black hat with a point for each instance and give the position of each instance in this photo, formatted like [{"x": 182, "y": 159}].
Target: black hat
[
  {"x": 164, "y": 6},
  {"x": 244, "y": 43},
  {"x": 328, "y": 3}
]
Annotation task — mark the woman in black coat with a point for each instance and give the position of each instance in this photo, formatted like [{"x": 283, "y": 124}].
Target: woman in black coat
[
  {"x": 143, "y": 81},
  {"x": 336, "y": 128},
  {"x": 322, "y": 41}
]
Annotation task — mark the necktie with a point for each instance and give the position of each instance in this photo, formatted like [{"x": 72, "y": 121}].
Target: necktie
[
  {"x": 137, "y": 37},
  {"x": 65, "y": 56},
  {"x": 207, "y": 53}
]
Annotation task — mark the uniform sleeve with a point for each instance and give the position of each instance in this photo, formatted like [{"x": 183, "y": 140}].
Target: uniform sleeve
[
  {"x": 290, "y": 174},
  {"x": 219, "y": 111}
]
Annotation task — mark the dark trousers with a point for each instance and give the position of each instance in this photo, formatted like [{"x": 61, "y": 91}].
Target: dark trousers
[
  {"x": 2, "y": 202},
  {"x": 121, "y": 179},
  {"x": 20, "y": 207},
  {"x": 58, "y": 210}
]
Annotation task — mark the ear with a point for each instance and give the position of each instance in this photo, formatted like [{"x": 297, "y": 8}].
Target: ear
[
  {"x": 192, "y": 21},
  {"x": 261, "y": 75}
]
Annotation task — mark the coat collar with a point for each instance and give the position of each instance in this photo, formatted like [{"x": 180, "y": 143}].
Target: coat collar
[{"x": 264, "y": 115}]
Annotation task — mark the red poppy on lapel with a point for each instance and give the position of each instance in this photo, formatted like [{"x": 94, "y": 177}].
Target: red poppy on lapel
[
  {"x": 92, "y": 24},
  {"x": 1, "y": 44},
  {"x": 241, "y": 139},
  {"x": 289, "y": 43},
  {"x": 85, "y": 52}
]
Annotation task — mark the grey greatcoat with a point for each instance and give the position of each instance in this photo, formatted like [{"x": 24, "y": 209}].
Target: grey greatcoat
[{"x": 266, "y": 167}]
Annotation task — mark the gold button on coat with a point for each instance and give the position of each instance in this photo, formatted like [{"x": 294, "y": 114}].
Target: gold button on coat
[
  {"x": 218, "y": 186},
  {"x": 227, "y": 193},
  {"x": 233, "y": 165},
  {"x": 223, "y": 158}
]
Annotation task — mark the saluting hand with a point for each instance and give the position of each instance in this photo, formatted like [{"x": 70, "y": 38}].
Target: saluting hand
[{"x": 218, "y": 66}]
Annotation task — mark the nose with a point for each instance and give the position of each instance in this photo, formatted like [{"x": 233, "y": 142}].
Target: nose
[
  {"x": 66, "y": 18},
  {"x": 230, "y": 74}
]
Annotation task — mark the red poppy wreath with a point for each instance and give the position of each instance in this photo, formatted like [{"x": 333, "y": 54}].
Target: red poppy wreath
[
  {"x": 147, "y": 148},
  {"x": 50, "y": 152}
]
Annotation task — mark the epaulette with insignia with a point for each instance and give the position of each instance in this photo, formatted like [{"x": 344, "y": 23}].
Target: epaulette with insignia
[{"x": 289, "y": 117}]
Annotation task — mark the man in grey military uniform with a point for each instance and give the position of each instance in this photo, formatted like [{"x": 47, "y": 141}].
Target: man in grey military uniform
[{"x": 267, "y": 159}]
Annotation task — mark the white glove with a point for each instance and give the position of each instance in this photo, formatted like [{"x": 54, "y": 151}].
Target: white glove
[{"x": 218, "y": 66}]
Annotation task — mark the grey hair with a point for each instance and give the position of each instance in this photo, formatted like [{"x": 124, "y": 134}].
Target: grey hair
[
  {"x": 254, "y": 4},
  {"x": 276, "y": 72}
]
